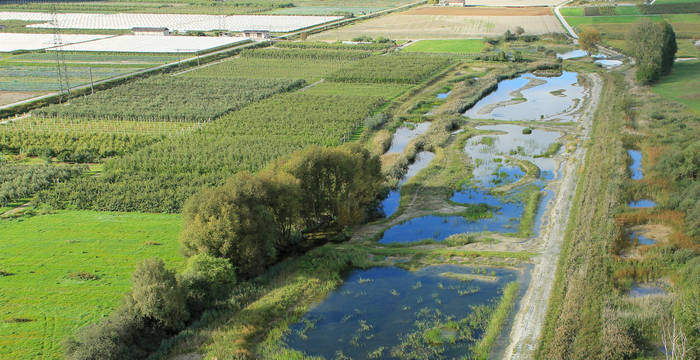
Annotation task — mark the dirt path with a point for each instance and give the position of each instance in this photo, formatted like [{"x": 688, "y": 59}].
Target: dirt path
[{"x": 533, "y": 307}]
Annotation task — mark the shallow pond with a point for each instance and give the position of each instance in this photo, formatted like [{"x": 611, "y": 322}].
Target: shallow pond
[
  {"x": 573, "y": 54},
  {"x": 640, "y": 239},
  {"x": 644, "y": 203},
  {"x": 505, "y": 219},
  {"x": 609, "y": 64},
  {"x": 641, "y": 290},
  {"x": 489, "y": 153},
  {"x": 531, "y": 97},
  {"x": 442, "y": 96},
  {"x": 405, "y": 134},
  {"x": 392, "y": 201},
  {"x": 636, "y": 165},
  {"x": 378, "y": 310}
]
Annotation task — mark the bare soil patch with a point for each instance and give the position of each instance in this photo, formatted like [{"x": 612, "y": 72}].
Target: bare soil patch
[
  {"x": 481, "y": 11},
  {"x": 9, "y": 97},
  {"x": 407, "y": 26}
]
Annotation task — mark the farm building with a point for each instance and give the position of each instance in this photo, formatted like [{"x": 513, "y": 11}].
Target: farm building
[
  {"x": 459, "y": 3},
  {"x": 157, "y": 31},
  {"x": 256, "y": 34}
]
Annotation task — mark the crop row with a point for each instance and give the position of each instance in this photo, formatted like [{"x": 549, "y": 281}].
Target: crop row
[
  {"x": 21, "y": 181},
  {"x": 335, "y": 45},
  {"x": 167, "y": 98},
  {"x": 315, "y": 54},
  {"x": 264, "y": 68},
  {"x": 159, "y": 178},
  {"x": 401, "y": 69}
]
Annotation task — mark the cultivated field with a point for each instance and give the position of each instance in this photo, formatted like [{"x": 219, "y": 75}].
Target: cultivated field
[
  {"x": 614, "y": 24},
  {"x": 36, "y": 71},
  {"x": 176, "y": 22},
  {"x": 447, "y": 46},
  {"x": 154, "y": 44},
  {"x": 12, "y": 42},
  {"x": 448, "y": 23}
]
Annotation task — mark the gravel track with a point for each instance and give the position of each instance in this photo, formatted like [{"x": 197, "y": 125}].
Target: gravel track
[{"x": 529, "y": 319}]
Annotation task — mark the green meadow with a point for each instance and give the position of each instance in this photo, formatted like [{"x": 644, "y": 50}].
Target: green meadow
[
  {"x": 683, "y": 85},
  {"x": 61, "y": 271},
  {"x": 447, "y": 46}
]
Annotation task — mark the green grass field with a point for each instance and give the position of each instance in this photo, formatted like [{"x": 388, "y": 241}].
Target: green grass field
[
  {"x": 256, "y": 68},
  {"x": 683, "y": 85},
  {"x": 447, "y": 46},
  {"x": 41, "y": 303}
]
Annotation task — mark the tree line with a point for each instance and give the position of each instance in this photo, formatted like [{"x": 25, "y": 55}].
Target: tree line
[
  {"x": 653, "y": 47},
  {"x": 234, "y": 231}
]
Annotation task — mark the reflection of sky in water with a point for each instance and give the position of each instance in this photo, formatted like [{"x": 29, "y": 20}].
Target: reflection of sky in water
[
  {"x": 636, "y": 165},
  {"x": 379, "y": 306},
  {"x": 533, "y": 144},
  {"x": 644, "y": 290},
  {"x": 442, "y": 96},
  {"x": 391, "y": 203},
  {"x": 573, "y": 54},
  {"x": 540, "y": 100},
  {"x": 609, "y": 64},
  {"x": 644, "y": 203},
  {"x": 641, "y": 239},
  {"x": 404, "y": 135},
  {"x": 506, "y": 219}
]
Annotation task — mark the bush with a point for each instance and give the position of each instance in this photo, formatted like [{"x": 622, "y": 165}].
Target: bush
[
  {"x": 123, "y": 335},
  {"x": 157, "y": 296},
  {"x": 207, "y": 280}
]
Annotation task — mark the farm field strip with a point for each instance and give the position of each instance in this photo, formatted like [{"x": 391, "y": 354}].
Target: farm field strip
[
  {"x": 12, "y": 42},
  {"x": 174, "y": 22},
  {"x": 153, "y": 44},
  {"x": 402, "y": 26},
  {"x": 448, "y": 46}
]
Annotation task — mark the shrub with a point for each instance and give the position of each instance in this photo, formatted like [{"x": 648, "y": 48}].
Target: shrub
[
  {"x": 157, "y": 296},
  {"x": 207, "y": 279}
]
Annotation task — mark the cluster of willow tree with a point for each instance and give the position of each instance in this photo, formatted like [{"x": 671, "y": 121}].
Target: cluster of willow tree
[
  {"x": 72, "y": 146},
  {"x": 160, "y": 177},
  {"x": 22, "y": 181},
  {"x": 168, "y": 98},
  {"x": 251, "y": 219},
  {"x": 335, "y": 45},
  {"x": 235, "y": 230},
  {"x": 399, "y": 68},
  {"x": 653, "y": 46},
  {"x": 313, "y": 54}
]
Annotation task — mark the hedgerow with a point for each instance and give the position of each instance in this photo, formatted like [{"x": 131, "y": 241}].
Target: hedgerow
[
  {"x": 314, "y": 54},
  {"x": 335, "y": 45}
]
